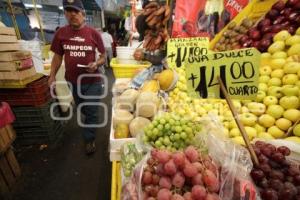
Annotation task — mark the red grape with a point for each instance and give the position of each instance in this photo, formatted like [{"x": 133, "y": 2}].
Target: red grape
[
  {"x": 284, "y": 150},
  {"x": 260, "y": 144},
  {"x": 150, "y": 198},
  {"x": 192, "y": 154},
  {"x": 286, "y": 194},
  {"x": 188, "y": 196},
  {"x": 179, "y": 159},
  {"x": 276, "y": 184},
  {"x": 257, "y": 175},
  {"x": 151, "y": 161},
  {"x": 278, "y": 157},
  {"x": 155, "y": 179},
  {"x": 209, "y": 165},
  {"x": 163, "y": 156},
  {"x": 276, "y": 174},
  {"x": 211, "y": 181},
  {"x": 213, "y": 196},
  {"x": 294, "y": 170},
  {"x": 197, "y": 180},
  {"x": 160, "y": 170},
  {"x": 291, "y": 186},
  {"x": 266, "y": 151},
  {"x": 269, "y": 194},
  {"x": 274, "y": 164},
  {"x": 177, "y": 197},
  {"x": 164, "y": 194},
  {"x": 148, "y": 189},
  {"x": 154, "y": 190},
  {"x": 265, "y": 168},
  {"x": 154, "y": 153},
  {"x": 178, "y": 180},
  {"x": 263, "y": 159},
  {"x": 297, "y": 180},
  {"x": 263, "y": 183},
  {"x": 199, "y": 166},
  {"x": 198, "y": 192},
  {"x": 190, "y": 170},
  {"x": 170, "y": 167},
  {"x": 147, "y": 178},
  {"x": 165, "y": 182}
]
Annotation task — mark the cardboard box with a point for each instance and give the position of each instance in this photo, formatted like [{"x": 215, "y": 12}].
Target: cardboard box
[
  {"x": 16, "y": 65},
  {"x": 9, "y": 46},
  {"x": 7, "y": 137},
  {"x": 13, "y": 56},
  {"x": 18, "y": 75},
  {"x": 9, "y": 172}
]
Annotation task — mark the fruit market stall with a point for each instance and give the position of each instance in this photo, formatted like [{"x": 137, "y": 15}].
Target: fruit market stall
[{"x": 180, "y": 139}]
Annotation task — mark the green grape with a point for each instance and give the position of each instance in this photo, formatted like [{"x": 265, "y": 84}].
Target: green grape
[
  {"x": 145, "y": 139},
  {"x": 158, "y": 144},
  {"x": 169, "y": 148},
  {"x": 160, "y": 133},
  {"x": 173, "y": 128},
  {"x": 183, "y": 135},
  {"x": 150, "y": 126},
  {"x": 172, "y": 138},
  {"x": 183, "y": 121},
  {"x": 177, "y": 137},
  {"x": 160, "y": 127},
  {"x": 127, "y": 173},
  {"x": 190, "y": 124},
  {"x": 167, "y": 141},
  {"x": 173, "y": 149},
  {"x": 167, "y": 126},
  {"x": 155, "y": 132},
  {"x": 188, "y": 130},
  {"x": 162, "y": 121},
  {"x": 162, "y": 147},
  {"x": 176, "y": 145},
  {"x": 172, "y": 122},
  {"x": 154, "y": 123}
]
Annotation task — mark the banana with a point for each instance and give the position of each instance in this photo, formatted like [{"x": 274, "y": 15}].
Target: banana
[{"x": 152, "y": 5}]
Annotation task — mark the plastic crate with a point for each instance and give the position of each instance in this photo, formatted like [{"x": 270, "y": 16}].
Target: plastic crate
[
  {"x": 127, "y": 70},
  {"x": 35, "y": 94},
  {"x": 19, "y": 83},
  {"x": 39, "y": 135}
]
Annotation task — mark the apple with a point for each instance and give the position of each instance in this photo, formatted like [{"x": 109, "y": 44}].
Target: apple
[
  {"x": 291, "y": 67},
  {"x": 275, "y": 91},
  {"x": 276, "y": 132},
  {"x": 265, "y": 136},
  {"x": 276, "y": 46},
  {"x": 238, "y": 140},
  {"x": 296, "y": 130},
  {"x": 248, "y": 119},
  {"x": 270, "y": 100},
  {"x": 289, "y": 79},
  {"x": 264, "y": 79},
  {"x": 277, "y": 63},
  {"x": 282, "y": 36},
  {"x": 275, "y": 111},
  {"x": 237, "y": 104},
  {"x": 234, "y": 132},
  {"x": 251, "y": 132},
  {"x": 277, "y": 73},
  {"x": 274, "y": 82},
  {"x": 246, "y": 102},
  {"x": 244, "y": 109},
  {"x": 289, "y": 102},
  {"x": 266, "y": 120},
  {"x": 226, "y": 124},
  {"x": 256, "y": 108},
  {"x": 259, "y": 128},
  {"x": 279, "y": 54},
  {"x": 232, "y": 124},
  {"x": 292, "y": 114},
  {"x": 262, "y": 87},
  {"x": 265, "y": 70},
  {"x": 260, "y": 96},
  {"x": 283, "y": 124},
  {"x": 290, "y": 90}
]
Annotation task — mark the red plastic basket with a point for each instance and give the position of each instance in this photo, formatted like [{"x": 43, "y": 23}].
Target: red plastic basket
[{"x": 35, "y": 94}]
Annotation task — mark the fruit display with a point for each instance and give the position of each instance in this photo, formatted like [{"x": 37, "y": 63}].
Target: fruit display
[
  {"x": 180, "y": 175},
  {"x": 171, "y": 132},
  {"x": 276, "y": 176},
  {"x": 129, "y": 158}
]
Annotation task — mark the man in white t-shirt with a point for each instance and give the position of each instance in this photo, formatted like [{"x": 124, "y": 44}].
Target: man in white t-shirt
[{"x": 107, "y": 41}]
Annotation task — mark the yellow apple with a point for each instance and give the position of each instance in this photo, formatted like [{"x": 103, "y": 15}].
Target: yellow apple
[
  {"x": 234, "y": 132},
  {"x": 274, "y": 82},
  {"x": 237, "y": 104},
  {"x": 262, "y": 87},
  {"x": 290, "y": 90},
  {"x": 265, "y": 136},
  {"x": 296, "y": 130},
  {"x": 291, "y": 67},
  {"x": 232, "y": 124},
  {"x": 292, "y": 114},
  {"x": 238, "y": 140},
  {"x": 260, "y": 96},
  {"x": 251, "y": 132},
  {"x": 265, "y": 70},
  {"x": 289, "y": 102},
  {"x": 275, "y": 111},
  {"x": 259, "y": 128},
  {"x": 270, "y": 100},
  {"x": 226, "y": 132},
  {"x": 256, "y": 108},
  {"x": 283, "y": 124},
  {"x": 289, "y": 79},
  {"x": 277, "y": 73},
  {"x": 244, "y": 109},
  {"x": 275, "y": 91},
  {"x": 276, "y": 132},
  {"x": 248, "y": 119},
  {"x": 266, "y": 120},
  {"x": 226, "y": 124},
  {"x": 264, "y": 79}
]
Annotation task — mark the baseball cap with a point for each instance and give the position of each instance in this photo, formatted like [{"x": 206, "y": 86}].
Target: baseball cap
[{"x": 75, "y": 4}]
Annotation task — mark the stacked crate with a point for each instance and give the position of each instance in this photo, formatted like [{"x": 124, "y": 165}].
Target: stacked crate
[
  {"x": 16, "y": 66},
  {"x": 9, "y": 166}
]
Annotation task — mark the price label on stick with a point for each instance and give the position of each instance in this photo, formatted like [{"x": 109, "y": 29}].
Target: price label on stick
[
  {"x": 239, "y": 71},
  {"x": 186, "y": 49}
]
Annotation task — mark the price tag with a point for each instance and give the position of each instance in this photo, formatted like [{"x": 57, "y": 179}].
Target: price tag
[
  {"x": 238, "y": 69},
  {"x": 181, "y": 49}
]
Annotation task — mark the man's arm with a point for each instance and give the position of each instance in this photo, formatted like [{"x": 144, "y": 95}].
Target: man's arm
[
  {"x": 55, "y": 65},
  {"x": 92, "y": 67}
]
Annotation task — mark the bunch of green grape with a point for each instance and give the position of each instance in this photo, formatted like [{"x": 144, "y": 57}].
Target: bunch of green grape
[{"x": 171, "y": 132}]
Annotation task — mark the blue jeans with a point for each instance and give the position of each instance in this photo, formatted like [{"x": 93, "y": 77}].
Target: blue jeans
[{"x": 91, "y": 112}]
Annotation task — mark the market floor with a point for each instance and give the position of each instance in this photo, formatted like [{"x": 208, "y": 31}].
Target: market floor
[{"x": 64, "y": 172}]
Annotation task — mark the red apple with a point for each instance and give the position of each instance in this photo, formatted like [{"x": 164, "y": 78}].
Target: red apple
[
  {"x": 279, "y": 5},
  {"x": 279, "y": 20},
  {"x": 272, "y": 14},
  {"x": 264, "y": 45},
  {"x": 254, "y": 34},
  {"x": 285, "y": 24},
  {"x": 293, "y": 16},
  {"x": 269, "y": 36},
  {"x": 266, "y": 29},
  {"x": 264, "y": 22},
  {"x": 276, "y": 28},
  {"x": 292, "y": 3},
  {"x": 286, "y": 12}
]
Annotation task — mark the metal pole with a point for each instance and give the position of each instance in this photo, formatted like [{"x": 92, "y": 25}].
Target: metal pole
[
  {"x": 13, "y": 18},
  {"x": 37, "y": 14}
]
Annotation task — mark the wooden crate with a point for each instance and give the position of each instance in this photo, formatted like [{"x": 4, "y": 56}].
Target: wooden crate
[
  {"x": 16, "y": 55},
  {"x": 7, "y": 31},
  {"x": 16, "y": 65},
  {"x": 18, "y": 75},
  {"x": 9, "y": 172},
  {"x": 7, "y": 136},
  {"x": 9, "y": 46}
]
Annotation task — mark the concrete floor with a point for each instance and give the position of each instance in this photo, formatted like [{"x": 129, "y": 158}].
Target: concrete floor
[{"x": 64, "y": 172}]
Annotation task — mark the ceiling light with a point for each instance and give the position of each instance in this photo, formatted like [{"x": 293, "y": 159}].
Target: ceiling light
[
  {"x": 27, "y": 5},
  {"x": 61, "y": 8}
]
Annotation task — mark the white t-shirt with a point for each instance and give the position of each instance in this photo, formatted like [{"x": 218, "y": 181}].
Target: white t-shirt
[{"x": 107, "y": 39}]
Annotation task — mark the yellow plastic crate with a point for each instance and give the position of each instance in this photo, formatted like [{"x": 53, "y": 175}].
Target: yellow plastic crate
[
  {"x": 127, "y": 70},
  {"x": 116, "y": 182},
  {"x": 255, "y": 10}
]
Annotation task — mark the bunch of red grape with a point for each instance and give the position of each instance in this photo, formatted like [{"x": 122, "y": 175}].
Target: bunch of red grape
[
  {"x": 183, "y": 175},
  {"x": 277, "y": 178}
]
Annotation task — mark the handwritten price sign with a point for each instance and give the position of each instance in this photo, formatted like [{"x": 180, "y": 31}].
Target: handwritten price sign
[
  {"x": 239, "y": 71},
  {"x": 186, "y": 49}
]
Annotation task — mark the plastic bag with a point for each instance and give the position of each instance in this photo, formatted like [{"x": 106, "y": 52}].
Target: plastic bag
[
  {"x": 235, "y": 162},
  {"x": 130, "y": 156}
]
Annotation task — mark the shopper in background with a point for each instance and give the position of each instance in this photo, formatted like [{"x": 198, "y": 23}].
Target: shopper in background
[
  {"x": 108, "y": 41},
  {"x": 77, "y": 43}
]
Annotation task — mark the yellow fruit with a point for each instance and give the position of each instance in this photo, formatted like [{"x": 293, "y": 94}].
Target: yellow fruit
[
  {"x": 293, "y": 58},
  {"x": 295, "y": 39},
  {"x": 279, "y": 54},
  {"x": 265, "y": 55},
  {"x": 292, "y": 114},
  {"x": 277, "y": 63},
  {"x": 234, "y": 132},
  {"x": 121, "y": 131},
  {"x": 265, "y": 136},
  {"x": 291, "y": 67},
  {"x": 150, "y": 86},
  {"x": 294, "y": 50},
  {"x": 298, "y": 31},
  {"x": 276, "y": 46},
  {"x": 283, "y": 124},
  {"x": 282, "y": 36},
  {"x": 167, "y": 79},
  {"x": 276, "y": 132},
  {"x": 293, "y": 139},
  {"x": 251, "y": 132},
  {"x": 238, "y": 140}
]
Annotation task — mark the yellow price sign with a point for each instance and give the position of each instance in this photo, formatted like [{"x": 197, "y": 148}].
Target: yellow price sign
[
  {"x": 238, "y": 69},
  {"x": 180, "y": 50}
]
